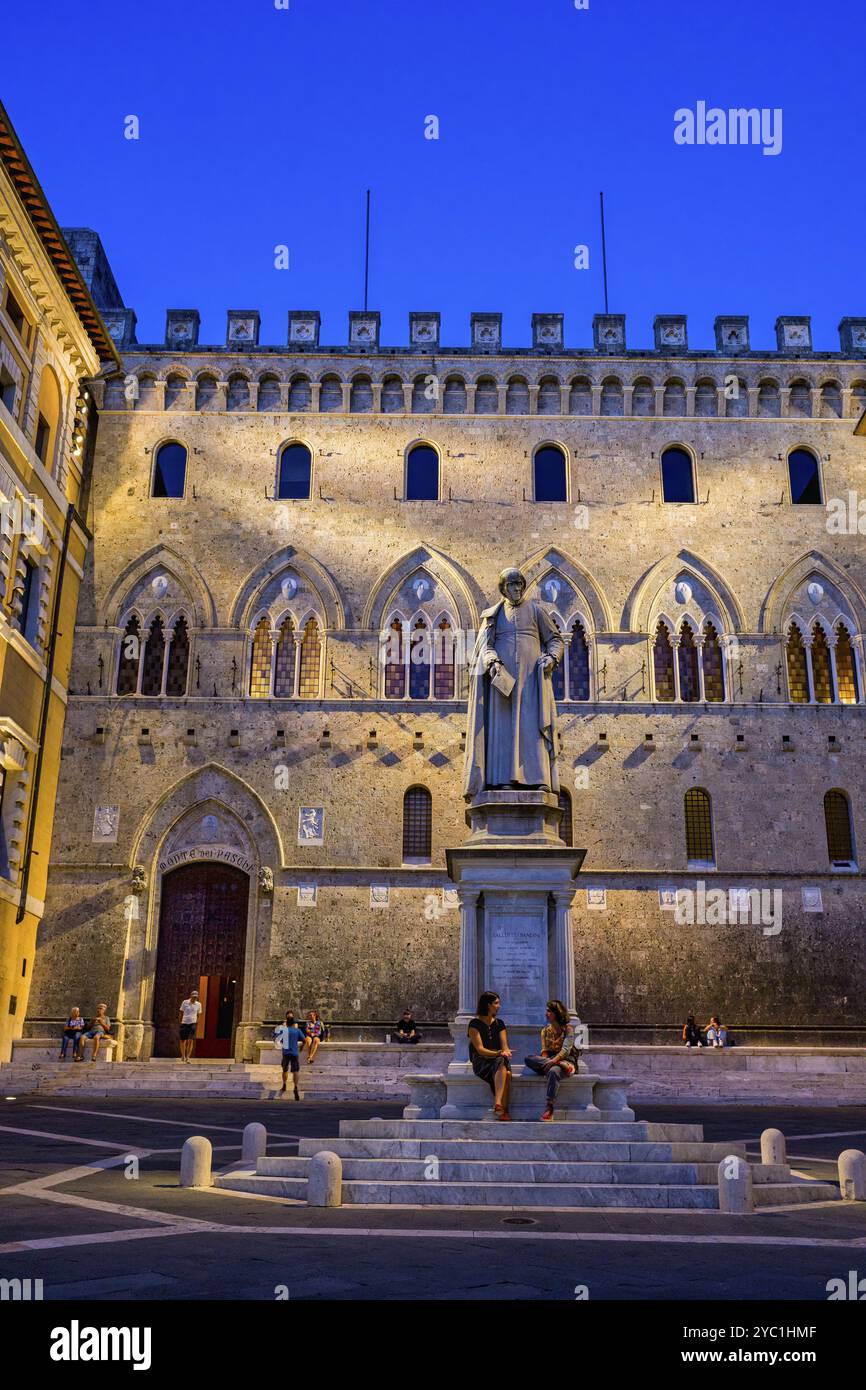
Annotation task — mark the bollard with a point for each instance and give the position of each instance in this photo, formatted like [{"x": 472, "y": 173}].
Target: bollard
[
  {"x": 773, "y": 1148},
  {"x": 255, "y": 1143},
  {"x": 852, "y": 1175},
  {"x": 195, "y": 1162},
  {"x": 325, "y": 1182},
  {"x": 735, "y": 1186}
]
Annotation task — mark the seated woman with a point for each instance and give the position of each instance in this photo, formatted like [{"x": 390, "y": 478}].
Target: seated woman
[
  {"x": 489, "y": 1052},
  {"x": 100, "y": 1028},
  {"x": 692, "y": 1033},
  {"x": 75, "y": 1026},
  {"x": 316, "y": 1033},
  {"x": 559, "y": 1055},
  {"x": 717, "y": 1033}
]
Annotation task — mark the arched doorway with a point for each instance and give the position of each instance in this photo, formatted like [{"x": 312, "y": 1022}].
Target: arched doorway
[{"x": 202, "y": 930}]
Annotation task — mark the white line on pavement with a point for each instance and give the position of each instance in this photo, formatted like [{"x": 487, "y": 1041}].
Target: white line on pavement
[{"x": 149, "y": 1120}]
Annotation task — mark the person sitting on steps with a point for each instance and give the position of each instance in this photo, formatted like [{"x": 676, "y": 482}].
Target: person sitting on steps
[
  {"x": 489, "y": 1052},
  {"x": 559, "y": 1055},
  {"x": 717, "y": 1033},
  {"x": 692, "y": 1033}
]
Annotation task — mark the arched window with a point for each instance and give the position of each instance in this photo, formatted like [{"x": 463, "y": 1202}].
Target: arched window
[
  {"x": 422, "y": 474},
  {"x": 486, "y": 396},
  {"x": 260, "y": 664},
  {"x": 454, "y": 396},
  {"x": 822, "y": 676},
  {"x": 800, "y": 398},
  {"x": 130, "y": 653},
  {"x": 395, "y": 662},
  {"x": 674, "y": 398},
  {"x": 309, "y": 670},
  {"x": 678, "y": 479},
  {"x": 769, "y": 400},
  {"x": 154, "y": 659},
  {"x": 566, "y": 824},
  {"x": 846, "y": 668},
  {"x": 736, "y": 398},
  {"x": 205, "y": 392},
  {"x": 169, "y": 470},
  {"x": 699, "y": 828},
  {"x": 611, "y": 396},
  {"x": 444, "y": 683},
  {"x": 687, "y": 658},
  {"x": 549, "y": 480},
  {"x": 361, "y": 396},
  {"x": 578, "y": 664},
  {"x": 393, "y": 401},
  {"x": 840, "y": 838},
  {"x": 178, "y": 659},
  {"x": 146, "y": 398},
  {"x": 713, "y": 664},
  {"x": 517, "y": 396},
  {"x": 238, "y": 393},
  {"x": 798, "y": 675},
  {"x": 580, "y": 396},
  {"x": 301, "y": 394},
  {"x": 419, "y": 661},
  {"x": 549, "y": 396},
  {"x": 417, "y": 824},
  {"x": 804, "y": 476},
  {"x": 663, "y": 664},
  {"x": 175, "y": 391},
  {"x": 270, "y": 391},
  {"x": 706, "y": 397},
  {"x": 643, "y": 397},
  {"x": 557, "y": 674},
  {"x": 284, "y": 672},
  {"x": 296, "y": 467},
  {"x": 331, "y": 394},
  {"x": 425, "y": 395}
]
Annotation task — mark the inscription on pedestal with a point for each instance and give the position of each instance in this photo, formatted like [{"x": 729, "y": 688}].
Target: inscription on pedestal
[{"x": 516, "y": 965}]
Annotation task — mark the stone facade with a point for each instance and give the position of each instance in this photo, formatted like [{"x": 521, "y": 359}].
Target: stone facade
[{"x": 215, "y": 773}]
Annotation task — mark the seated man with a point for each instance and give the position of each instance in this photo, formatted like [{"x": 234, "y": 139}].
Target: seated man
[
  {"x": 100, "y": 1028},
  {"x": 406, "y": 1032}
]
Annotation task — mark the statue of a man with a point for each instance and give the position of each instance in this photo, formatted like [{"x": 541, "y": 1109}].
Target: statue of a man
[{"x": 511, "y": 732}]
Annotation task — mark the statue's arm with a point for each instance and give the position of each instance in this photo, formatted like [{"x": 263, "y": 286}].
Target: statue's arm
[
  {"x": 551, "y": 643},
  {"x": 487, "y": 653}
]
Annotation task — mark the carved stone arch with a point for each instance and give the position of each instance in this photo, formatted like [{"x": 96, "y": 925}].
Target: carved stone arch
[
  {"x": 215, "y": 785},
  {"x": 316, "y": 577},
  {"x": 538, "y": 566},
  {"x": 424, "y": 557},
  {"x": 240, "y": 372},
  {"x": 774, "y": 610},
  {"x": 175, "y": 369},
  {"x": 273, "y": 372},
  {"x": 160, "y": 557},
  {"x": 644, "y": 597}
]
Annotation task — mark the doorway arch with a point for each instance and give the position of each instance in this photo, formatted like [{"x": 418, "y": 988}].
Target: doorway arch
[{"x": 201, "y": 945}]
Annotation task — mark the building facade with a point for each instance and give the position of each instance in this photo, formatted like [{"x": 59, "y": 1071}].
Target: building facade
[
  {"x": 292, "y": 546},
  {"x": 52, "y": 342}
]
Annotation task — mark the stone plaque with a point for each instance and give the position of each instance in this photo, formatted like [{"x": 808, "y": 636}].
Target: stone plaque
[
  {"x": 516, "y": 965},
  {"x": 597, "y": 898},
  {"x": 311, "y": 825},
  {"x": 307, "y": 894},
  {"x": 106, "y": 820},
  {"x": 668, "y": 898},
  {"x": 380, "y": 895},
  {"x": 812, "y": 900}
]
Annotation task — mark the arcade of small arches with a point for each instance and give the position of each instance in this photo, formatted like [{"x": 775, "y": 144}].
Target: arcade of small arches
[
  {"x": 550, "y": 473},
  {"x": 386, "y": 392},
  {"x": 424, "y": 631}
]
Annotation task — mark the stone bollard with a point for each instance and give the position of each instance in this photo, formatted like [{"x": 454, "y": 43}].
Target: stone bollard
[
  {"x": 735, "y": 1186},
  {"x": 773, "y": 1149},
  {"x": 852, "y": 1175},
  {"x": 195, "y": 1162},
  {"x": 325, "y": 1181},
  {"x": 255, "y": 1143}
]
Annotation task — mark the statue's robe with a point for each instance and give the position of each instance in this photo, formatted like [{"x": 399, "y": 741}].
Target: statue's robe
[{"x": 512, "y": 739}]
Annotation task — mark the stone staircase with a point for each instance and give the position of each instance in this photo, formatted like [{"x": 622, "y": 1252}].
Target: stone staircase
[{"x": 565, "y": 1164}]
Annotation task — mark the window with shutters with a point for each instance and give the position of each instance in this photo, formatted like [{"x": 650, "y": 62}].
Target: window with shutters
[
  {"x": 840, "y": 838},
  {"x": 699, "y": 828},
  {"x": 417, "y": 825}
]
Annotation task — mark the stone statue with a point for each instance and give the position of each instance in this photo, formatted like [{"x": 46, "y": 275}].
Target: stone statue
[
  {"x": 266, "y": 879},
  {"x": 511, "y": 730}
]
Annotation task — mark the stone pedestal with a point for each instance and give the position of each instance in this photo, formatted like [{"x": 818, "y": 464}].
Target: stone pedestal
[{"x": 515, "y": 881}]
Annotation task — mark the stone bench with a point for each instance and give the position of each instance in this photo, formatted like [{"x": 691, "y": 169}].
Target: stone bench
[
  {"x": 41, "y": 1051},
  {"x": 463, "y": 1096}
]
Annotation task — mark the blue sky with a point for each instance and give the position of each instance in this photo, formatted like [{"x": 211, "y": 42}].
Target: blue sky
[{"x": 261, "y": 127}]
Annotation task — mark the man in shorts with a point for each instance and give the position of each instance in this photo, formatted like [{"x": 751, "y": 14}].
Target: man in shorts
[
  {"x": 289, "y": 1036},
  {"x": 189, "y": 1012}
]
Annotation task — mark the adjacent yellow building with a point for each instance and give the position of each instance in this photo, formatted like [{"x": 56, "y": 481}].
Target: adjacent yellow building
[{"x": 52, "y": 342}]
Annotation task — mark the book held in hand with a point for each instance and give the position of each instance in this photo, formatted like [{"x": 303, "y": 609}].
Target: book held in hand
[{"x": 503, "y": 681}]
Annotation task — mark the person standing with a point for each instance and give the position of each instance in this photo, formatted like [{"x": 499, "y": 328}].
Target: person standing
[
  {"x": 72, "y": 1032},
  {"x": 559, "y": 1055},
  {"x": 290, "y": 1037},
  {"x": 189, "y": 1015},
  {"x": 489, "y": 1052}
]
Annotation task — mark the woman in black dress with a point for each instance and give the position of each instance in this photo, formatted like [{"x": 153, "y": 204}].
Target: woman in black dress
[{"x": 489, "y": 1052}]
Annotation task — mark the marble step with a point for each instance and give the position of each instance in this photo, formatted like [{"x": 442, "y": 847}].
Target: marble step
[
  {"x": 527, "y": 1195},
  {"x": 529, "y": 1150},
  {"x": 495, "y": 1169},
  {"x": 557, "y": 1130}
]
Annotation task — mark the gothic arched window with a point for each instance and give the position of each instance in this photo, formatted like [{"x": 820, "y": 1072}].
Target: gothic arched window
[
  {"x": 154, "y": 659},
  {"x": 417, "y": 824},
  {"x": 578, "y": 663},
  {"x": 804, "y": 476},
  {"x": 822, "y": 675},
  {"x": 419, "y": 661},
  {"x": 846, "y": 668},
  {"x": 284, "y": 671},
  {"x": 663, "y": 664},
  {"x": 178, "y": 659},
  {"x": 422, "y": 474},
  {"x": 296, "y": 466},
  {"x": 699, "y": 827},
  {"x": 687, "y": 658},
  {"x": 395, "y": 662},
  {"x": 260, "y": 664},
  {"x": 309, "y": 669},
  {"x": 798, "y": 675},
  {"x": 130, "y": 653},
  {"x": 549, "y": 478},
  {"x": 713, "y": 664},
  {"x": 678, "y": 480},
  {"x": 443, "y": 661}
]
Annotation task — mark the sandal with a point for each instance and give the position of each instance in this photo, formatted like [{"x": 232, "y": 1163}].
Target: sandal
[
  {"x": 503, "y": 1114},
  {"x": 548, "y": 1114}
]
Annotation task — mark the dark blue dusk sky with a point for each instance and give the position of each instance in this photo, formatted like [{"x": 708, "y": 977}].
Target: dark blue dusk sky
[{"x": 262, "y": 127}]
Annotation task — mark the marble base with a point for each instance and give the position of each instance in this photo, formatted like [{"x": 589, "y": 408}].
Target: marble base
[{"x": 462, "y": 1096}]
